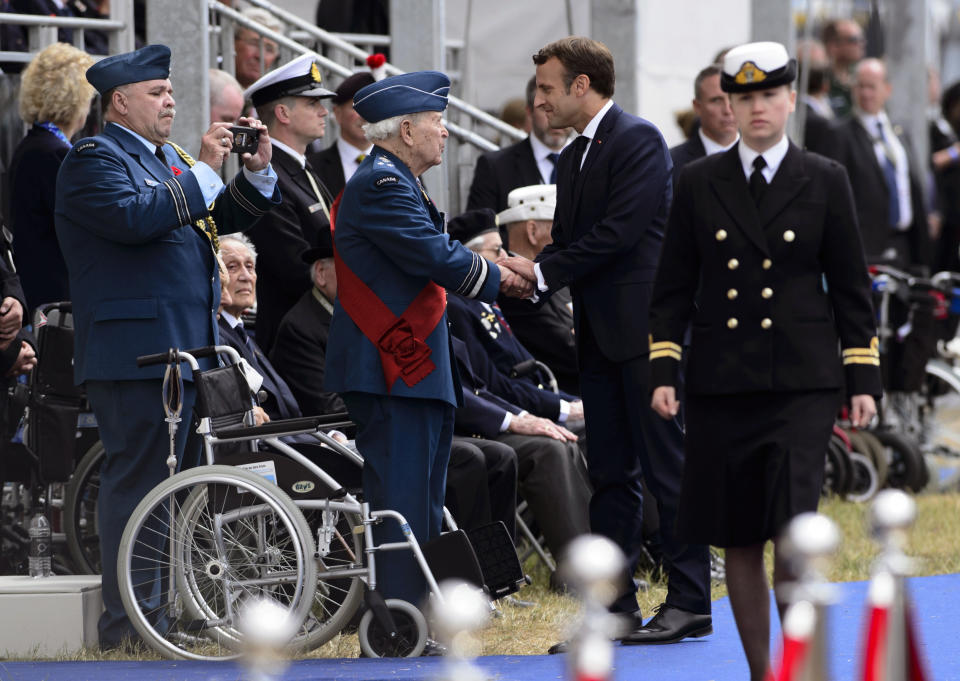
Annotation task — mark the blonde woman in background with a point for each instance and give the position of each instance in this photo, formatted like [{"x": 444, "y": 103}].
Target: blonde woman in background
[{"x": 54, "y": 100}]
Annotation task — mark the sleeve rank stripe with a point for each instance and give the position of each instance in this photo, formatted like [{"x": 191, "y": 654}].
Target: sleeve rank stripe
[
  {"x": 670, "y": 354},
  {"x": 874, "y": 361},
  {"x": 182, "y": 216},
  {"x": 243, "y": 201},
  {"x": 480, "y": 276},
  {"x": 665, "y": 345},
  {"x": 860, "y": 352},
  {"x": 465, "y": 285}
]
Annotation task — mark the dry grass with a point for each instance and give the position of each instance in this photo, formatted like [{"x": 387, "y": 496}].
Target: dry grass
[{"x": 530, "y": 631}]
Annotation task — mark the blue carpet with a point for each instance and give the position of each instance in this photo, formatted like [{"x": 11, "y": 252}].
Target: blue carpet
[{"x": 713, "y": 658}]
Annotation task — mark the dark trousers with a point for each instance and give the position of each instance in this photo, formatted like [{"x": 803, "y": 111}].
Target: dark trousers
[
  {"x": 131, "y": 422},
  {"x": 553, "y": 482},
  {"x": 630, "y": 442},
  {"x": 482, "y": 483},
  {"x": 405, "y": 443}
]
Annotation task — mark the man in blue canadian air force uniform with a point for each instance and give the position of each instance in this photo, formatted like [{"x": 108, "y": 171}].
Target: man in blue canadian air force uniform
[
  {"x": 137, "y": 218},
  {"x": 389, "y": 354}
]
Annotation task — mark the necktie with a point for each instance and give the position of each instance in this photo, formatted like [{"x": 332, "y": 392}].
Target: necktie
[
  {"x": 158, "y": 152},
  {"x": 242, "y": 333},
  {"x": 579, "y": 146},
  {"x": 890, "y": 175},
  {"x": 360, "y": 158},
  {"x": 553, "y": 157},
  {"x": 758, "y": 183}
]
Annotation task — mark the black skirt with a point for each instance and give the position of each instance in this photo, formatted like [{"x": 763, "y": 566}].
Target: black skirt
[{"x": 753, "y": 462}]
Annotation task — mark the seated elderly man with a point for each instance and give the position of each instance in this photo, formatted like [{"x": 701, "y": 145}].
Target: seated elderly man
[
  {"x": 485, "y": 331},
  {"x": 545, "y": 330},
  {"x": 552, "y": 474},
  {"x": 240, "y": 259}
]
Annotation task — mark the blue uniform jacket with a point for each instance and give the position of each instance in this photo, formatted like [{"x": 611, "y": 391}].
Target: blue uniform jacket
[
  {"x": 493, "y": 346},
  {"x": 392, "y": 237},
  {"x": 143, "y": 278}
]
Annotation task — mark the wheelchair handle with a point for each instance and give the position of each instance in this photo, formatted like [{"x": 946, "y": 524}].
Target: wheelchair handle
[
  {"x": 187, "y": 355},
  {"x": 523, "y": 369}
]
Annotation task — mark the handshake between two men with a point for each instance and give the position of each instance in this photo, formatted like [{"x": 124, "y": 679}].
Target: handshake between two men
[{"x": 517, "y": 276}]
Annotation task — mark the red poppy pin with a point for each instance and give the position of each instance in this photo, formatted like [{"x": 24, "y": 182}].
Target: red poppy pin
[{"x": 176, "y": 171}]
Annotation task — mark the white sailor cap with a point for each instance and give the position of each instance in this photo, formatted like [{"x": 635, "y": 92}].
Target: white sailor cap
[
  {"x": 757, "y": 66},
  {"x": 300, "y": 77},
  {"x": 535, "y": 202}
]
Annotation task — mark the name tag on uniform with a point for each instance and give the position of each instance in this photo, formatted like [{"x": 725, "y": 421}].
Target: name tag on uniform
[
  {"x": 315, "y": 207},
  {"x": 150, "y": 183}
]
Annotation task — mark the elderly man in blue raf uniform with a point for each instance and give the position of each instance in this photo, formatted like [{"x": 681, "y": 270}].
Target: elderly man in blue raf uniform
[
  {"x": 389, "y": 352},
  {"x": 137, "y": 218}
]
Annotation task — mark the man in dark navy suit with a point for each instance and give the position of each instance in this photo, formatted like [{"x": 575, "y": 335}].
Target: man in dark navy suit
[
  {"x": 530, "y": 161},
  {"x": 718, "y": 129},
  {"x": 137, "y": 219},
  {"x": 613, "y": 195}
]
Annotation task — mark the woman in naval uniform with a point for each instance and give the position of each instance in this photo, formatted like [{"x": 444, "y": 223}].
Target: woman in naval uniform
[{"x": 762, "y": 260}]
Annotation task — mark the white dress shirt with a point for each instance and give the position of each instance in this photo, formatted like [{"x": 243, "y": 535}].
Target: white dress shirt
[
  {"x": 348, "y": 157},
  {"x": 773, "y": 157},
  {"x": 871, "y": 124}
]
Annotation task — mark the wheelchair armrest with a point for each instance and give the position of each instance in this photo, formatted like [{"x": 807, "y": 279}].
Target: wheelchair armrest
[{"x": 282, "y": 427}]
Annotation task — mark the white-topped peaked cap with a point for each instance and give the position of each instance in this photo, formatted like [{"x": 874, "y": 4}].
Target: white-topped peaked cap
[
  {"x": 300, "y": 77},
  {"x": 534, "y": 202},
  {"x": 757, "y": 66}
]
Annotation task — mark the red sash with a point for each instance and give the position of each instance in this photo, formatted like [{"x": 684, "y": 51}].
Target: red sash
[{"x": 401, "y": 340}]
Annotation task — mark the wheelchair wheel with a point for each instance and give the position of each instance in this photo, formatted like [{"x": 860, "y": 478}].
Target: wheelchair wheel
[
  {"x": 836, "y": 468},
  {"x": 907, "y": 469},
  {"x": 864, "y": 483},
  {"x": 80, "y": 511},
  {"x": 869, "y": 446},
  {"x": 235, "y": 535},
  {"x": 409, "y": 639}
]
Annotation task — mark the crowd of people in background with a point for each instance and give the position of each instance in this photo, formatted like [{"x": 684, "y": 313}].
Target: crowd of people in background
[{"x": 513, "y": 435}]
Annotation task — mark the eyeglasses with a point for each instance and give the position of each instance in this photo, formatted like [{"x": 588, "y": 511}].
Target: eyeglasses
[
  {"x": 269, "y": 47},
  {"x": 496, "y": 250}
]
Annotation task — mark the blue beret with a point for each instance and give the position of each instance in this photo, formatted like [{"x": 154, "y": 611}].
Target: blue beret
[
  {"x": 403, "y": 94},
  {"x": 148, "y": 63}
]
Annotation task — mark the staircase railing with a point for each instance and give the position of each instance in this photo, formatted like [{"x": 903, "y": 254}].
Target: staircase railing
[{"x": 333, "y": 40}]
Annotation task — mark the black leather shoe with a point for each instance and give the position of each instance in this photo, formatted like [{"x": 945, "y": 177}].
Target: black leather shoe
[{"x": 670, "y": 625}]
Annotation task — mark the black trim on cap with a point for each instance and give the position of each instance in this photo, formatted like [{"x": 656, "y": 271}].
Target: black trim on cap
[
  {"x": 750, "y": 77},
  {"x": 286, "y": 88}
]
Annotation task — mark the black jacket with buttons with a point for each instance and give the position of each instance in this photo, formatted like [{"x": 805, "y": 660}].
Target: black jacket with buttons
[{"x": 777, "y": 295}]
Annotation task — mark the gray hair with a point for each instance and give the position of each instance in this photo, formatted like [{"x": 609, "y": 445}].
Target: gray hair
[
  {"x": 219, "y": 81},
  {"x": 263, "y": 17},
  {"x": 388, "y": 127},
  {"x": 476, "y": 243},
  {"x": 241, "y": 239}
]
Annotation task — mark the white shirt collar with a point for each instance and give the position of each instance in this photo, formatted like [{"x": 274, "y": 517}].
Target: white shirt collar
[
  {"x": 230, "y": 319},
  {"x": 143, "y": 140},
  {"x": 711, "y": 147},
  {"x": 591, "y": 130},
  {"x": 773, "y": 156},
  {"x": 301, "y": 159},
  {"x": 869, "y": 121},
  {"x": 349, "y": 151},
  {"x": 541, "y": 150}
]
